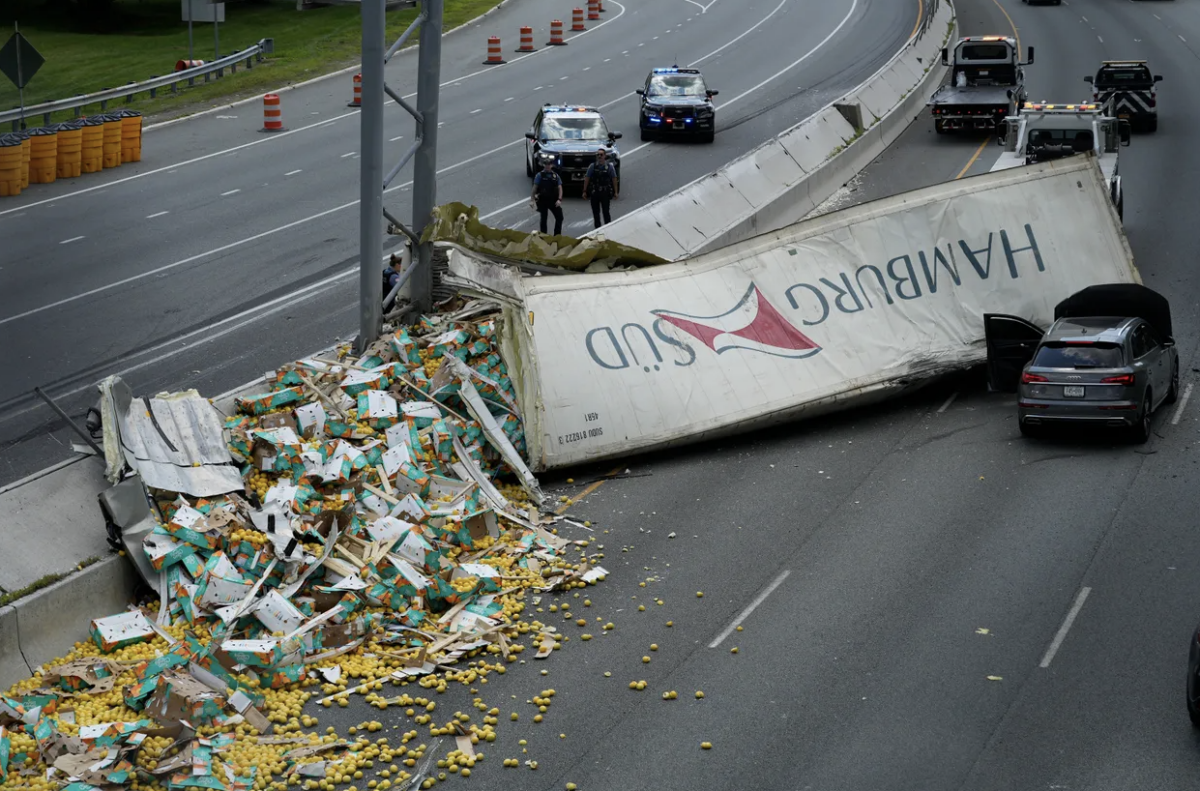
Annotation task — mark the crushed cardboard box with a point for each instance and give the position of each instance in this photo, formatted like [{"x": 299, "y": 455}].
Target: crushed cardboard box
[{"x": 386, "y": 513}]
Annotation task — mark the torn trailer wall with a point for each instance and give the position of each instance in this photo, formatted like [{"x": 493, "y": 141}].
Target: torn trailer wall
[{"x": 822, "y": 314}]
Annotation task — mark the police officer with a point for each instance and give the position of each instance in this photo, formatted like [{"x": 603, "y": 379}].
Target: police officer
[
  {"x": 600, "y": 184},
  {"x": 548, "y": 194}
]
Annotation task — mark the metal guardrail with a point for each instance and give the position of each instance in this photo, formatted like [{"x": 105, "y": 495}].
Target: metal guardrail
[
  {"x": 250, "y": 55},
  {"x": 931, "y": 9}
]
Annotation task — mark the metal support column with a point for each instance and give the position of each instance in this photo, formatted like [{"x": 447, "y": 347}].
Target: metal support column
[
  {"x": 371, "y": 173},
  {"x": 429, "y": 74}
]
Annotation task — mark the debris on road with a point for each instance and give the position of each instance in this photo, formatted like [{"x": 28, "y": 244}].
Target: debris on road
[{"x": 364, "y": 519}]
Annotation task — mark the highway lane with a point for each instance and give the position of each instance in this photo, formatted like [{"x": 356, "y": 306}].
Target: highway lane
[
  {"x": 157, "y": 284},
  {"x": 869, "y": 671},
  {"x": 910, "y": 568}
]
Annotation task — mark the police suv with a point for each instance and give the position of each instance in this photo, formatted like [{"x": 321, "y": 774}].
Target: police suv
[
  {"x": 677, "y": 101},
  {"x": 571, "y": 134},
  {"x": 1128, "y": 90}
]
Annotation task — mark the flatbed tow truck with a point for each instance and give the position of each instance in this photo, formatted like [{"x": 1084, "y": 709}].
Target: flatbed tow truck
[
  {"x": 987, "y": 84},
  {"x": 1043, "y": 132}
]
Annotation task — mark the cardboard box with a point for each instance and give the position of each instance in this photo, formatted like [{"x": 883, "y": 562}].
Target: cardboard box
[
  {"x": 118, "y": 631},
  {"x": 178, "y": 696},
  {"x": 222, "y": 583}
]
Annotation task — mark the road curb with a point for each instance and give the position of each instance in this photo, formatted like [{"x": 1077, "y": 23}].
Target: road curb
[
  {"x": 45, "y": 625},
  {"x": 313, "y": 81}
]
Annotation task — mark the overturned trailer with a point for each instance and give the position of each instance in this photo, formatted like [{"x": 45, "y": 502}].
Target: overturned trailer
[{"x": 830, "y": 312}]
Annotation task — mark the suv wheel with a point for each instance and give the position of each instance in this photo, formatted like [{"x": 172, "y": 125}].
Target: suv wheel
[
  {"x": 1173, "y": 393},
  {"x": 1141, "y": 431},
  {"x": 1152, "y": 124}
]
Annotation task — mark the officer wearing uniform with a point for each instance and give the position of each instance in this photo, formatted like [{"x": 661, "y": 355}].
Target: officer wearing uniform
[
  {"x": 600, "y": 184},
  {"x": 547, "y": 195}
]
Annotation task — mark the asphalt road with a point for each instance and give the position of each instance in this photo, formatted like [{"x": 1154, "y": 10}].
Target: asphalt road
[
  {"x": 910, "y": 570},
  {"x": 226, "y": 250}
]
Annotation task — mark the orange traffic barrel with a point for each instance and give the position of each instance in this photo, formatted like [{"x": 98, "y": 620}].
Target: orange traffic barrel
[
  {"x": 91, "y": 152},
  {"x": 43, "y": 155},
  {"x": 70, "y": 146},
  {"x": 12, "y": 162},
  {"x": 601, "y": 4},
  {"x": 593, "y": 9},
  {"x": 556, "y": 33},
  {"x": 272, "y": 113},
  {"x": 494, "y": 58},
  {"x": 183, "y": 65},
  {"x": 357, "y": 92},
  {"x": 26, "y": 150},
  {"x": 131, "y": 135},
  {"x": 526, "y": 40},
  {"x": 112, "y": 140},
  {"x": 577, "y": 19}
]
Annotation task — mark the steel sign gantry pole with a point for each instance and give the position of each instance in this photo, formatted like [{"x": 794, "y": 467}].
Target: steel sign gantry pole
[{"x": 423, "y": 151}]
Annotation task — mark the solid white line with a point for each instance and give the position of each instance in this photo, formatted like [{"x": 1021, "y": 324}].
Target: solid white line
[
  {"x": 1187, "y": 393},
  {"x": 949, "y": 401},
  {"x": 294, "y": 172},
  {"x": 394, "y": 139},
  {"x": 231, "y": 192},
  {"x": 72, "y": 239},
  {"x": 759, "y": 599},
  {"x": 156, "y": 214},
  {"x": 168, "y": 168},
  {"x": 693, "y": 2},
  {"x": 799, "y": 60},
  {"x": 740, "y": 96},
  {"x": 319, "y": 215},
  {"x": 1066, "y": 627},
  {"x": 742, "y": 36},
  {"x": 302, "y": 128}
]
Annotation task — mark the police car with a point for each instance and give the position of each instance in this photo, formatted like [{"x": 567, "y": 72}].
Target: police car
[
  {"x": 677, "y": 101},
  {"x": 1128, "y": 90},
  {"x": 571, "y": 134}
]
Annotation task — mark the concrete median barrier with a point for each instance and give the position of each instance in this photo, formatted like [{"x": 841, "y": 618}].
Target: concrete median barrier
[{"x": 759, "y": 192}]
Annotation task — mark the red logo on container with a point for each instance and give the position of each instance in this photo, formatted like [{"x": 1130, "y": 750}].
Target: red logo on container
[{"x": 753, "y": 324}]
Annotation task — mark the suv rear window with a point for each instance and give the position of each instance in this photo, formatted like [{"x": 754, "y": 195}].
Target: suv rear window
[
  {"x": 1091, "y": 355},
  {"x": 1130, "y": 76}
]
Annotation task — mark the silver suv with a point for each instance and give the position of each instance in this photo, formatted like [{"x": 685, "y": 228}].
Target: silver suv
[{"x": 1091, "y": 366}]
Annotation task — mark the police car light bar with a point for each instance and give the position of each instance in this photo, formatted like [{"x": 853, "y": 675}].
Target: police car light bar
[{"x": 1123, "y": 62}]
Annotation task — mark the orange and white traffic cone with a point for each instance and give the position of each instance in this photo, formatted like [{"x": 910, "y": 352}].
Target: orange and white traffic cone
[
  {"x": 494, "y": 58},
  {"x": 357, "y": 92},
  {"x": 272, "y": 113}
]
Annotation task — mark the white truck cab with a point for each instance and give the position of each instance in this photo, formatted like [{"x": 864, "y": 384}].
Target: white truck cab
[{"x": 1042, "y": 132}]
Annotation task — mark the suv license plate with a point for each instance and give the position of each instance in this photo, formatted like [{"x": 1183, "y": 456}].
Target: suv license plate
[{"x": 1073, "y": 391}]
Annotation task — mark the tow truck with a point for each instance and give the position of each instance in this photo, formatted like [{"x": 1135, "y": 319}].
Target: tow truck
[
  {"x": 1042, "y": 132},
  {"x": 1129, "y": 90},
  {"x": 987, "y": 84}
]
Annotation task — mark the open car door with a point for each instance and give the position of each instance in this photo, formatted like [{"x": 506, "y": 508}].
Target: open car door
[{"x": 1011, "y": 341}]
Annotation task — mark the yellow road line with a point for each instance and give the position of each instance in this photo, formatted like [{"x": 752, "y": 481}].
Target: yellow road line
[
  {"x": 982, "y": 145},
  {"x": 1011, "y": 24},
  {"x": 920, "y": 13},
  {"x": 593, "y": 486},
  {"x": 971, "y": 161}
]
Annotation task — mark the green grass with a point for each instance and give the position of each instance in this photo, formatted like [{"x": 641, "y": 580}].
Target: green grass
[
  {"x": 44, "y": 582},
  {"x": 143, "y": 38}
]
